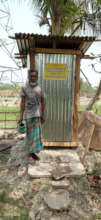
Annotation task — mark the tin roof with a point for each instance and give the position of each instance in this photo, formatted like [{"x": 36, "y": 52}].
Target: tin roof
[{"x": 27, "y": 42}]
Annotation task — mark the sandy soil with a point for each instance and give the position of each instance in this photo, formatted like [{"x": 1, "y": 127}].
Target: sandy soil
[{"x": 14, "y": 101}]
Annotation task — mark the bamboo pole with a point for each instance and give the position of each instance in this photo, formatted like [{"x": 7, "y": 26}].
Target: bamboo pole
[{"x": 88, "y": 145}]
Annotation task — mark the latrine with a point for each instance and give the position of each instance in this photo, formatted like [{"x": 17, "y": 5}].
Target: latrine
[{"x": 57, "y": 60}]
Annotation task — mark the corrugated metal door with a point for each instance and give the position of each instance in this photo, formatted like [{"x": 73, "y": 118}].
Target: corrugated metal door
[{"x": 59, "y": 97}]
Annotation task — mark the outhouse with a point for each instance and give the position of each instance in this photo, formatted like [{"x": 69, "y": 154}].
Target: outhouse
[{"x": 57, "y": 60}]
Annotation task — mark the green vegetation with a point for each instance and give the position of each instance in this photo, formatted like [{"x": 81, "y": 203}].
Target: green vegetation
[
  {"x": 9, "y": 90},
  {"x": 96, "y": 108},
  {"x": 86, "y": 88},
  {"x": 9, "y": 109},
  {"x": 8, "y": 116},
  {"x": 11, "y": 208},
  {"x": 68, "y": 16},
  {"x": 6, "y": 86}
]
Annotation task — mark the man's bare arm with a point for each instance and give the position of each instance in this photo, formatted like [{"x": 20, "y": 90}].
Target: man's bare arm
[{"x": 22, "y": 108}]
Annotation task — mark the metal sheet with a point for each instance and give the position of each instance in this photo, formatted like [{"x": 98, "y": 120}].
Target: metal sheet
[{"x": 59, "y": 97}]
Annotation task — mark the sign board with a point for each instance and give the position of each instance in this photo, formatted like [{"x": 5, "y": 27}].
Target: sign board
[{"x": 55, "y": 71}]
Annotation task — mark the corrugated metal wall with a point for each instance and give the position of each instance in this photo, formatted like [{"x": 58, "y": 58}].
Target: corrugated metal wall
[{"x": 59, "y": 97}]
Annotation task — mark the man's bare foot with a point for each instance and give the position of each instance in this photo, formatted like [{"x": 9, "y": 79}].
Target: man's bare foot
[
  {"x": 31, "y": 160},
  {"x": 34, "y": 156}
]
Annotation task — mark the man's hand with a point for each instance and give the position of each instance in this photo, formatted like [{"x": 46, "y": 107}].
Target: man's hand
[
  {"x": 42, "y": 119},
  {"x": 20, "y": 120}
]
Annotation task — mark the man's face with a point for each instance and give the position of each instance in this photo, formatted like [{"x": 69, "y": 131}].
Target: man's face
[{"x": 33, "y": 77}]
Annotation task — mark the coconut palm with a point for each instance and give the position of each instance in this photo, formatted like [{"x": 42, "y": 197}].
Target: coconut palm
[
  {"x": 59, "y": 15},
  {"x": 68, "y": 16}
]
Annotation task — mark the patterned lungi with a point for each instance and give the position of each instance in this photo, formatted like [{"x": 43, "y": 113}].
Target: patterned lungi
[{"x": 33, "y": 135}]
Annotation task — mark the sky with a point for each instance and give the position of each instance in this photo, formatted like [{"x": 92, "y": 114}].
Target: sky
[{"x": 25, "y": 19}]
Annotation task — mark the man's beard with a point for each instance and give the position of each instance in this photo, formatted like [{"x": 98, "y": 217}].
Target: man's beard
[{"x": 33, "y": 83}]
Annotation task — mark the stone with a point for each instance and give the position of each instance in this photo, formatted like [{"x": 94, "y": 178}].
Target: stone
[
  {"x": 42, "y": 170},
  {"x": 70, "y": 165},
  {"x": 68, "y": 157},
  {"x": 21, "y": 171},
  {"x": 60, "y": 172},
  {"x": 46, "y": 157},
  {"x": 3, "y": 174},
  {"x": 20, "y": 190},
  {"x": 77, "y": 169},
  {"x": 73, "y": 169},
  {"x": 62, "y": 217},
  {"x": 62, "y": 184},
  {"x": 4, "y": 146},
  {"x": 21, "y": 136},
  {"x": 57, "y": 200},
  {"x": 70, "y": 198},
  {"x": 2, "y": 137}
]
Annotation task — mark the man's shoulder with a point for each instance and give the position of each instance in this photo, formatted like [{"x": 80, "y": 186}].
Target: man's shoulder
[
  {"x": 25, "y": 86},
  {"x": 38, "y": 88}
]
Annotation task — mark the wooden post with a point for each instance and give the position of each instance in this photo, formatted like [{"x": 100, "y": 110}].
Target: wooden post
[
  {"x": 76, "y": 99},
  {"x": 32, "y": 60},
  {"x": 88, "y": 145}
]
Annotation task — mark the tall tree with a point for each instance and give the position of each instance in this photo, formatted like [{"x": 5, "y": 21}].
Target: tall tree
[
  {"x": 59, "y": 15},
  {"x": 70, "y": 16}
]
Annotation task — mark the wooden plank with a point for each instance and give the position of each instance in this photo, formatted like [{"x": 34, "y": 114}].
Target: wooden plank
[
  {"x": 86, "y": 57},
  {"x": 60, "y": 144},
  {"x": 56, "y": 51},
  {"x": 76, "y": 99},
  {"x": 32, "y": 60},
  {"x": 88, "y": 145},
  {"x": 81, "y": 45}
]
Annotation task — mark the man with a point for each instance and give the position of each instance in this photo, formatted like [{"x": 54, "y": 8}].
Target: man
[{"x": 32, "y": 107}]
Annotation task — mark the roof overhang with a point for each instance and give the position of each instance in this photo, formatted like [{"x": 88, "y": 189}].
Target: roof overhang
[{"x": 34, "y": 42}]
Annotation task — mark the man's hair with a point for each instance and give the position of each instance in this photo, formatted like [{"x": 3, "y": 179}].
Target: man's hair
[{"x": 32, "y": 70}]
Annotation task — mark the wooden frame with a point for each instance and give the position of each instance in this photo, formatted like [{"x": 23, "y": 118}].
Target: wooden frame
[
  {"x": 60, "y": 144},
  {"x": 56, "y": 51},
  {"x": 73, "y": 142},
  {"x": 76, "y": 99}
]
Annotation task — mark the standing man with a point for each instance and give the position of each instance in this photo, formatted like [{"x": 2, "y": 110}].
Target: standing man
[{"x": 32, "y": 107}]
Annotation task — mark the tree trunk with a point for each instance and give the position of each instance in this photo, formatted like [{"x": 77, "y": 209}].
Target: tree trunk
[
  {"x": 95, "y": 98},
  {"x": 57, "y": 28}
]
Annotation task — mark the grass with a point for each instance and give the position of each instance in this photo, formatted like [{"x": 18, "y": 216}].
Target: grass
[
  {"x": 11, "y": 208},
  {"x": 96, "y": 108},
  {"x": 98, "y": 217},
  {"x": 9, "y": 109},
  {"x": 11, "y": 114},
  {"x": 8, "y": 113}
]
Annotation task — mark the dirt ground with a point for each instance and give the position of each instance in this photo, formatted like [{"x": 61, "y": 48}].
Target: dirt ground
[
  {"x": 14, "y": 101},
  {"x": 84, "y": 100}
]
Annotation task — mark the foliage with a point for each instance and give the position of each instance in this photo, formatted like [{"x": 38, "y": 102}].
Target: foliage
[
  {"x": 8, "y": 116},
  {"x": 95, "y": 66},
  {"x": 7, "y": 86},
  {"x": 15, "y": 210},
  {"x": 9, "y": 109},
  {"x": 64, "y": 16},
  {"x": 84, "y": 87},
  {"x": 96, "y": 108},
  {"x": 13, "y": 117}
]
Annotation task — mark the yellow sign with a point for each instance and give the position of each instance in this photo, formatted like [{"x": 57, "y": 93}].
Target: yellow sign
[{"x": 55, "y": 71}]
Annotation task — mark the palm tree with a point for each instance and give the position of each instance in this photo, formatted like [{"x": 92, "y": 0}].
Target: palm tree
[
  {"x": 59, "y": 15},
  {"x": 68, "y": 16}
]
